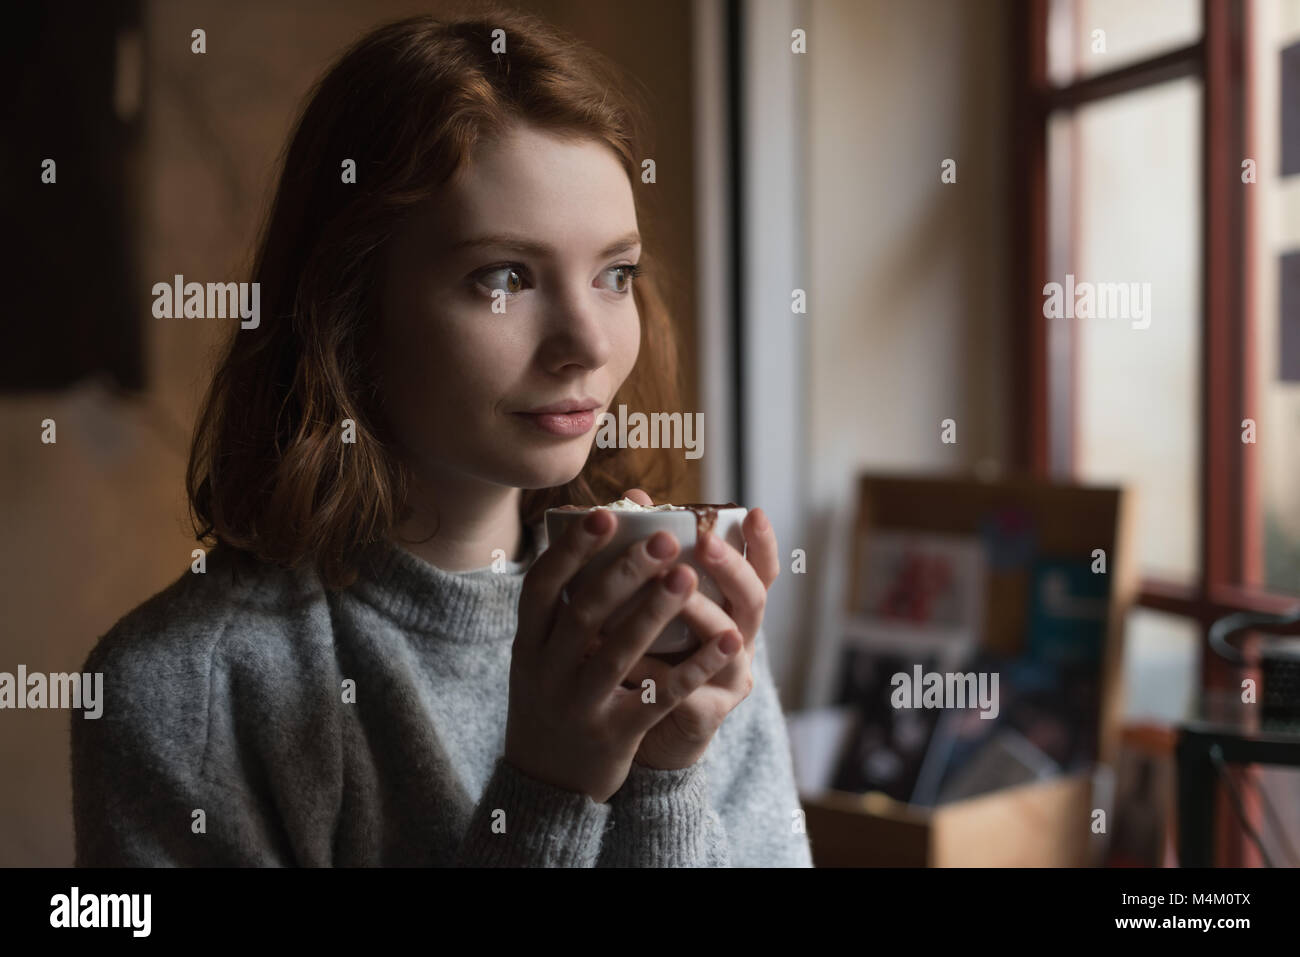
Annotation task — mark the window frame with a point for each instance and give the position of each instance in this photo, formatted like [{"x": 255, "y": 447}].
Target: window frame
[
  {"x": 1229, "y": 567},
  {"x": 1229, "y": 571}
]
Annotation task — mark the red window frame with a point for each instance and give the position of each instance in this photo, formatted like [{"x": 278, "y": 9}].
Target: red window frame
[{"x": 1229, "y": 569}]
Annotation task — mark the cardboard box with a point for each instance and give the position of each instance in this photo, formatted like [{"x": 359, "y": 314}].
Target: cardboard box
[{"x": 1045, "y": 823}]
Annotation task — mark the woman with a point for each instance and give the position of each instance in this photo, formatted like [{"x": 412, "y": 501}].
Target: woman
[{"x": 373, "y": 665}]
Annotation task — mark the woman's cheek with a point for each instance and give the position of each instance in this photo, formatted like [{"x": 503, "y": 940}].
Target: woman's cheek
[{"x": 631, "y": 346}]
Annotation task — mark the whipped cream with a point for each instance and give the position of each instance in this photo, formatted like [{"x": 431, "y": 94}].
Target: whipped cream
[{"x": 627, "y": 505}]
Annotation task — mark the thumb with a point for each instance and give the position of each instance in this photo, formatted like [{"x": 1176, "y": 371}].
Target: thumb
[{"x": 638, "y": 496}]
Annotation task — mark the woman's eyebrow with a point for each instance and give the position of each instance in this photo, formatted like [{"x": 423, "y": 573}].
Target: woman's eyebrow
[{"x": 525, "y": 245}]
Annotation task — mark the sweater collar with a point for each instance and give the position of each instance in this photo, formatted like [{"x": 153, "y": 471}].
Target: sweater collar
[{"x": 480, "y": 605}]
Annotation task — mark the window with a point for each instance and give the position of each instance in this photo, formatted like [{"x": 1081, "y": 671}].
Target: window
[
  {"x": 1133, "y": 124},
  {"x": 1138, "y": 375}
]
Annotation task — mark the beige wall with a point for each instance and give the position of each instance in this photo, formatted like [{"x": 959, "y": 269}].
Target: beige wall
[
  {"x": 909, "y": 274},
  {"x": 908, "y": 314},
  {"x": 96, "y": 523}
]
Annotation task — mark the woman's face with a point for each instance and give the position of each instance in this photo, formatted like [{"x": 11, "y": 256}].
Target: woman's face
[{"x": 551, "y": 224}]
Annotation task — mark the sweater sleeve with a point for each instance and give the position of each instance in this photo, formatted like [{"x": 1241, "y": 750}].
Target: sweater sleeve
[
  {"x": 738, "y": 806},
  {"x": 523, "y": 822},
  {"x": 139, "y": 794},
  {"x": 665, "y": 819}
]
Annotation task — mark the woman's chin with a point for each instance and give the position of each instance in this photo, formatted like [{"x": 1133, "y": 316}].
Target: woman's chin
[{"x": 549, "y": 474}]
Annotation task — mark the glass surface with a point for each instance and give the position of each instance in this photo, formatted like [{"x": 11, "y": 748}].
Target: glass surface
[
  {"x": 1162, "y": 665},
  {"x": 1130, "y": 30},
  {"x": 1136, "y": 304}
]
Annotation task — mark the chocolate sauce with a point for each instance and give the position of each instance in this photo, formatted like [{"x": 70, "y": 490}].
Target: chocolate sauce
[{"x": 706, "y": 514}]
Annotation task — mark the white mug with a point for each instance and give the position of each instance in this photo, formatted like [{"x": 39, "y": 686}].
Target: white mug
[{"x": 634, "y": 526}]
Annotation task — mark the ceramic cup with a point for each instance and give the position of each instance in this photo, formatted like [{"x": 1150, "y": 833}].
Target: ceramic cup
[{"x": 683, "y": 523}]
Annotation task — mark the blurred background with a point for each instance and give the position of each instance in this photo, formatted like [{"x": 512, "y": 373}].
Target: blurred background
[{"x": 859, "y": 203}]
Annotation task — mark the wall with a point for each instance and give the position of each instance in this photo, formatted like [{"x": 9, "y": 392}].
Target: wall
[{"x": 908, "y": 299}]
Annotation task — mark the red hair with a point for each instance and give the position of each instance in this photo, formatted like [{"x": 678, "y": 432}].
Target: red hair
[{"x": 268, "y": 474}]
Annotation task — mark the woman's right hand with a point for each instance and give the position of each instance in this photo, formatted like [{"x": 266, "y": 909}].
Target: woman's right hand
[{"x": 571, "y": 723}]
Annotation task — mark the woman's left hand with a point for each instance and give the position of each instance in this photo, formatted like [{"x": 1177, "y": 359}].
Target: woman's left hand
[{"x": 682, "y": 736}]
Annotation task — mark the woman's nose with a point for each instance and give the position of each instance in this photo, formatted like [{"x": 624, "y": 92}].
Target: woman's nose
[{"x": 577, "y": 330}]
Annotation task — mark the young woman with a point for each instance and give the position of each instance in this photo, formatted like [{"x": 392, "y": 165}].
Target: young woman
[{"x": 373, "y": 664}]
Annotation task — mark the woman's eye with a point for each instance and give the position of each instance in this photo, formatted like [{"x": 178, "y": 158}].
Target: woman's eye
[
  {"x": 629, "y": 273},
  {"x": 514, "y": 280}
]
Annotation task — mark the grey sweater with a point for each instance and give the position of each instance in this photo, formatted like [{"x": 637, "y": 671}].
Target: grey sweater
[{"x": 258, "y": 719}]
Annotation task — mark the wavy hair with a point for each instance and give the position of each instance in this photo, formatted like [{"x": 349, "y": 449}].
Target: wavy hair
[{"x": 267, "y": 473}]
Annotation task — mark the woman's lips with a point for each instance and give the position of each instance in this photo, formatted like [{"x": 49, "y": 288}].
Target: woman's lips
[{"x": 561, "y": 423}]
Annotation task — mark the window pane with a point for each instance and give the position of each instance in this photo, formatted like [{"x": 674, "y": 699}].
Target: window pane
[
  {"x": 1276, "y": 243},
  {"x": 1137, "y": 238},
  {"x": 1162, "y": 666},
  {"x": 1130, "y": 31}
]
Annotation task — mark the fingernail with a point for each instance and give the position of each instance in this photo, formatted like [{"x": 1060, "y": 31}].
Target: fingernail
[
  {"x": 760, "y": 523},
  {"x": 678, "y": 580},
  {"x": 595, "y": 522},
  {"x": 730, "y": 643}
]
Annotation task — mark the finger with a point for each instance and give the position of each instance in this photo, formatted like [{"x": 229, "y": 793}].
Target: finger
[
  {"x": 540, "y": 592},
  {"x": 606, "y": 668},
  {"x": 638, "y": 496},
  {"x": 737, "y": 676},
  {"x": 588, "y": 612},
  {"x": 760, "y": 546},
  {"x": 734, "y": 678},
  {"x": 683, "y": 679},
  {"x": 737, "y": 579},
  {"x": 706, "y": 618}
]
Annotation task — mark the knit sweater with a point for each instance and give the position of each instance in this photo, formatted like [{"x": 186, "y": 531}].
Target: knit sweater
[{"x": 253, "y": 717}]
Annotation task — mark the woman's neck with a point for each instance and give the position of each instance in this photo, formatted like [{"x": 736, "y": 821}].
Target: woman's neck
[{"x": 469, "y": 521}]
